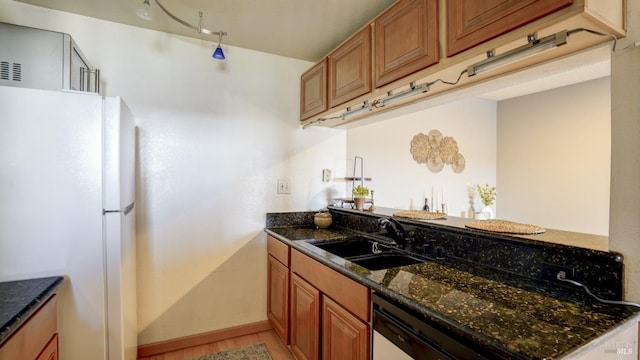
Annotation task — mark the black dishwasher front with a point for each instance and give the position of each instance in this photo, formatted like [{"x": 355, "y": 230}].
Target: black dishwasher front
[{"x": 415, "y": 336}]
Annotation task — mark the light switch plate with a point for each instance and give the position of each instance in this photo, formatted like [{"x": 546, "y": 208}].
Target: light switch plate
[
  {"x": 326, "y": 175},
  {"x": 283, "y": 186}
]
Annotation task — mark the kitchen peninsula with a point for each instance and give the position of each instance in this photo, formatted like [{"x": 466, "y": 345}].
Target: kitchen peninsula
[{"x": 491, "y": 291}]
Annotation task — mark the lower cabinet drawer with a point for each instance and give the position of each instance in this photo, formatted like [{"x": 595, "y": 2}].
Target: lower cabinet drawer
[{"x": 278, "y": 250}]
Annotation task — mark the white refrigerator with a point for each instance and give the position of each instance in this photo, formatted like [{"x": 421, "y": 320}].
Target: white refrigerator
[{"x": 67, "y": 190}]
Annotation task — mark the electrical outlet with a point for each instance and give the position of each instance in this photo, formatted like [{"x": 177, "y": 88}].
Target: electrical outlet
[
  {"x": 283, "y": 186},
  {"x": 326, "y": 175},
  {"x": 550, "y": 271}
]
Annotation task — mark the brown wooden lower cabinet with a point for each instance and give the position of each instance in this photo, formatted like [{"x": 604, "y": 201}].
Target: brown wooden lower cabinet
[
  {"x": 305, "y": 319},
  {"x": 278, "y": 297},
  {"x": 318, "y": 312},
  {"x": 278, "y": 286},
  {"x": 344, "y": 336},
  {"x": 330, "y": 313}
]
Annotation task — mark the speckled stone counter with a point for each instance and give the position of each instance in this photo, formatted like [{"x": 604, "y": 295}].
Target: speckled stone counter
[
  {"x": 22, "y": 298},
  {"x": 510, "y": 315}
]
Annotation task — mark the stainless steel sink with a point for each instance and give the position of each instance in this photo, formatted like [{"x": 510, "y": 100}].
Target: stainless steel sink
[{"x": 368, "y": 253}]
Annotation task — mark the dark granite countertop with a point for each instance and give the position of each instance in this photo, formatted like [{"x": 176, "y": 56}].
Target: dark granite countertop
[
  {"x": 22, "y": 298},
  {"x": 509, "y": 315}
]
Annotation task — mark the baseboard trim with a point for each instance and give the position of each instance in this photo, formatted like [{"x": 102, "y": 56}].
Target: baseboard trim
[{"x": 203, "y": 338}]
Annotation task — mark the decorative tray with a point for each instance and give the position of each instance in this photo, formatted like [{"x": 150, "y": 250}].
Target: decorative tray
[{"x": 504, "y": 226}]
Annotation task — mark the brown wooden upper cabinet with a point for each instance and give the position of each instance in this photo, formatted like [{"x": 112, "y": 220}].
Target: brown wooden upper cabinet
[
  {"x": 313, "y": 90},
  {"x": 406, "y": 37},
  {"x": 350, "y": 68},
  {"x": 472, "y": 22}
]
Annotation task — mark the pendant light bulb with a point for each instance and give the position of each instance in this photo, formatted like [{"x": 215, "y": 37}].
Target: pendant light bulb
[
  {"x": 218, "y": 54},
  {"x": 144, "y": 11}
]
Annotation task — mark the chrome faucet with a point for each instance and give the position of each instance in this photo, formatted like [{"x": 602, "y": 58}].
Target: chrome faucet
[{"x": 395, "y": 230}]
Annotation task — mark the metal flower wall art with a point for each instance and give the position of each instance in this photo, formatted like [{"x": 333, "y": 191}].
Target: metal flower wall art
[{"x": 437, "y": 151}]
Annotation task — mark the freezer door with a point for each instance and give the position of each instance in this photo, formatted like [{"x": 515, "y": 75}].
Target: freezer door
[{"x": 119, "y": 155}]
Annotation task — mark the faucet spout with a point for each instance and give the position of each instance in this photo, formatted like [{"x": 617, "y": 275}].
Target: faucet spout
[{"x": 394, "y": 229}]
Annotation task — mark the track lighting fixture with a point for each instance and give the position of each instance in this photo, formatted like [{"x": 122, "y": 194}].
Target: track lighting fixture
[{"x": 144, "y": 12}]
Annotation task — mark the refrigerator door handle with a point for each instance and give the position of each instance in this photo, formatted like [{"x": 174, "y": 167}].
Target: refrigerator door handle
[
  {"x": 126, "y": 210},
  {"x": 129, "y": 208}
]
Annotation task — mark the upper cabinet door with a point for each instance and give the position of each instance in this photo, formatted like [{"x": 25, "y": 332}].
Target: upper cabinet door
[
  {"x": 472, "y": 22},
  {"x": 350, "y": 69},
  {"x": 313, "y": 90},
  {"x": 406, "y": 39}
]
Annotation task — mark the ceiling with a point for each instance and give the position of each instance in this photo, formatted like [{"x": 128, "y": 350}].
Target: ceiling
[{"x": 301, "y": 29}]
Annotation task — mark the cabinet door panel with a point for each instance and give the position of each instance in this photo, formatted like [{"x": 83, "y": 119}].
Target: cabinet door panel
[
  {"x": 344, "y": 336},
  {"x": 278, "y": 297},
  {"x": 406, "y": 39},
  {"x": 472, "y": 22},
  {"x": 313, "y": 90},
  {"x": 350, "y": 69},
  {"x": 305, "y": 319}
]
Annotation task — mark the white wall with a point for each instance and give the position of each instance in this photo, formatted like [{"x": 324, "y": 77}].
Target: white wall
[
  {"x": 554, "y": 158},
  {"x": 213, "y": 139},
  {"x": 400, "y": 182},
  {"x": 548, "y": 153}
]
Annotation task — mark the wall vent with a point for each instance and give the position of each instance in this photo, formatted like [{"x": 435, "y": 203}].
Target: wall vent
[
  {"x": 17, "y": 72},
  {"x": 4, "y": 70},
  {"x": 10, "y": 71}
]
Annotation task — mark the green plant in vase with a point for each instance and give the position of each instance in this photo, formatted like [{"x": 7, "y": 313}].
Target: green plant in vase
[
  {"x": 360, "y": 191},
  {"x": 488, "y": 196},
  {"x": 359, "y": 194}
]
